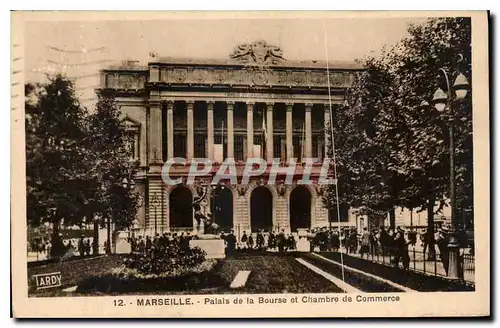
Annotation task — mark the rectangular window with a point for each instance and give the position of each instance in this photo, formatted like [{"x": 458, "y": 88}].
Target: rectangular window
[
  {"x": 238, "y": 147},
  {"x": 200, "y": 145},
  {"x": 277, "y": 147},
  {"x": 315, "y": 146},
  {"x": 180, "y": 145},
  {"x": 297, "y": 147}
]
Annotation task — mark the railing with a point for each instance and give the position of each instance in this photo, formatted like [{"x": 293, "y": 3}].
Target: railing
[{"x": 418, "y": 261}]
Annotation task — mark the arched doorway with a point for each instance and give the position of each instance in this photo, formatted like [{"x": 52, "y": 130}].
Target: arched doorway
[
  {"x": 222, "y": 207},
  {"x": 300, "y": 208},
  {"x": 261, "y": 209},
  {"x": 181, "y": 210}
]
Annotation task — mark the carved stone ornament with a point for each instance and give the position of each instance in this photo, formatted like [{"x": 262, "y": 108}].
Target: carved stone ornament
[
  {"x": 260, "y": 78},
  {"x": 200, "y": 75},
  {"x": 319, "y": 189},
  {"x": 299, "y": 77},
  {"x": 318, "y": 78},
  {"x": 240, "y": 76},
  {"x": 337, "y": 79},
  {"x": 179, "y": 75},
  {"x": 258, "y": 52},
  {"x": 281, "y": 77},
  {"x": 242, "y": 189},
  {"x": 127, "y": 82},
  {"x": 281, "y": 189},
  {"x": 220, "y": 75}
]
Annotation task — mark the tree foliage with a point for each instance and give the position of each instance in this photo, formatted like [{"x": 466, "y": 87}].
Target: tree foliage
[
  {"x": 390, "y": 149},
  {"x": 55, "y": 153},
  {"x": 75, "y": 161}
]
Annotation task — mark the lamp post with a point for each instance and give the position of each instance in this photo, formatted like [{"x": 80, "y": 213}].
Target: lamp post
[{"x": 444, "y": 101}]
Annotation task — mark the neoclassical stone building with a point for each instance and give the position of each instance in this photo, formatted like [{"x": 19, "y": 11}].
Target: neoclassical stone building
[{"x": 253, "y": 104}]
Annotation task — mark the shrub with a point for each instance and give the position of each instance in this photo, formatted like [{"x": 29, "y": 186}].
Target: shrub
[{"x": 165, "y": 259}]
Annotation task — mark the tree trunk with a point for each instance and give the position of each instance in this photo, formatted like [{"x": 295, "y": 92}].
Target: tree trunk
[
  {"x": 57, "y": 248},
  {"x": 108, "y": 241},
  {"x": 430, "y": 229},
  {"x": 95, "y": 243},
  {"x": 392, "y": 218}
]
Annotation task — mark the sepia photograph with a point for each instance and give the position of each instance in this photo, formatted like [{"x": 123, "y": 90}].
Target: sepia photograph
[{"x": 267, "y": 164}]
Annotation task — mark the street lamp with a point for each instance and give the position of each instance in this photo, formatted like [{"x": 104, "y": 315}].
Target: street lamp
[{"x": 444, "y": 101}]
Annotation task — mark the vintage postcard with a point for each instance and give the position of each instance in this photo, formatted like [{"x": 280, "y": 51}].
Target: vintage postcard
[{"x": 250, "y": 164}]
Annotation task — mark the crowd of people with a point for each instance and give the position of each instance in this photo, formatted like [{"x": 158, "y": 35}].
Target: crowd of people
[
  {"x": 393, "y": 242},
  {"x": 58, "y": 247}
]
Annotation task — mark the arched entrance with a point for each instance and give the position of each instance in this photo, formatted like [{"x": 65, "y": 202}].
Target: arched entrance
[
  {"x": 222, "y": 207},
  {"x": 300, "y": 208},
  {"x": 261, "y": 209},
  {"x": 181, "y": 210}
]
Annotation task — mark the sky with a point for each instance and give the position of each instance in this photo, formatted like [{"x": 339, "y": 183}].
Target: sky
[{"x": 339, "y": 39}]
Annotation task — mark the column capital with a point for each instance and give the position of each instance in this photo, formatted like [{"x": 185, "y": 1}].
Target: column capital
[
  {"x": 250, "y": 105},
  {"x": 210, "y": 104},
  {"x": 190, "y": 103},
  {"x": 269, "y": 105},
  {"x": 289, "y": 106},
  {"x": 308, "y": 105},
  {"x": 326, "y": 107},
  {"x": 230, "y": 105},
  {"x": 170, "y": 104}
]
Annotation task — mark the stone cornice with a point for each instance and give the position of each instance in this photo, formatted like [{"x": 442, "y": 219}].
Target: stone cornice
[{"x": 299, "y": 64}]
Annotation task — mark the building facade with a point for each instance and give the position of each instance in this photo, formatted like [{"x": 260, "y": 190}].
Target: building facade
[{"x": 253, "y": 104}]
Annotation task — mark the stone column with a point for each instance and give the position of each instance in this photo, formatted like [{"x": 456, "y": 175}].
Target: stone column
[
  {"x": 308, "y": 147},
  {"x": 230, "y": 130},
  {"x": 269, "y": 135},
  {"x": 289, "y": 132},
  {"x": 327, "y": 130},
  {"x": 250, "y": 107},
  {"x": 170, "y": 129},
  {"x": 210, "y": 129},
  {"x": 155, "y": 132},
  {"x": 190, "y": 131}
]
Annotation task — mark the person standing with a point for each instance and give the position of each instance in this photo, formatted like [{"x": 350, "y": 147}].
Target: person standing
[
  {"x": 81, "y": 246},
  {"x": 260, "y": 240},
  {"x": 250, "y": 241},
  {"x": 231, "y": 242},
  {"x": 149, "y": 243},
  {"x": 366, "y": 238},
  {"x": 281, "y": 241},
  {"x": 244, "y": 240},
  {"x": 442, "y": 243}
]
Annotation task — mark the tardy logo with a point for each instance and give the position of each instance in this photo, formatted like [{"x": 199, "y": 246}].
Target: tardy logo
[{"x": 48, "y": 280}]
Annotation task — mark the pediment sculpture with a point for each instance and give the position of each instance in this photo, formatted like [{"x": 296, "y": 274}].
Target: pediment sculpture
[{"x": 258, "y": 52}]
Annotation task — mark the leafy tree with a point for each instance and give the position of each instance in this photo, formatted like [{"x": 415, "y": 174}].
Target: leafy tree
[
  {"x": 56, "y": 161},
  {"x": 391, "y": 150},
  {"x": 110, "y": 155}
]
